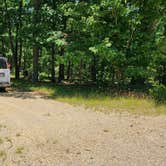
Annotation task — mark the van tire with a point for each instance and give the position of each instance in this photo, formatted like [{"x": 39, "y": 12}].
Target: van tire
[{"x": 2, "y": 89}]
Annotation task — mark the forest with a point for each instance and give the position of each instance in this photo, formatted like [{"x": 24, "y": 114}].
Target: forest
[{"x": 119, "y": 44}]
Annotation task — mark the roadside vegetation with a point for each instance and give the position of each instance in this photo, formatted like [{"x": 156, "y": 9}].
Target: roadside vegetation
[
  {"x": 118, "y": 47},
  {"x": 135, "y": 102}
]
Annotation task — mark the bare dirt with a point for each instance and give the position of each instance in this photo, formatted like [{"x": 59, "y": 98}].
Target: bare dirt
[{"x": 35, "y": 131}]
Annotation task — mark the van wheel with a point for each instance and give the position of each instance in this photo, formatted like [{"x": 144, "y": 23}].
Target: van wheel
[{"x": 2, "y": 89}]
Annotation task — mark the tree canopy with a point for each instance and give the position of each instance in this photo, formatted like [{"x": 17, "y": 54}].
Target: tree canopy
[{"x": 119, "y": 43}]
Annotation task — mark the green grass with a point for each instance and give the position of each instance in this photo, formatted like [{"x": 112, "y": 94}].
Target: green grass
[
  {"x": 1, "y": 141},
  {"x": 19, "y": 150},
  {"x": 2, "y": 154},
  {"x": 92, "y": 97}
]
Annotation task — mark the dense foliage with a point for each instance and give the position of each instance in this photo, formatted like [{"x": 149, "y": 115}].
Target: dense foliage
[{"x": 118, "y": 43}]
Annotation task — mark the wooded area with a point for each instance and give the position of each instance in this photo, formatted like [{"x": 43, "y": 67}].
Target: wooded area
[{"x": 108, "y": 43}]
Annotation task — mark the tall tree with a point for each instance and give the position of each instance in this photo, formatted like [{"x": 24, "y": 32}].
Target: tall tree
[{"x": 36, "y": 48}]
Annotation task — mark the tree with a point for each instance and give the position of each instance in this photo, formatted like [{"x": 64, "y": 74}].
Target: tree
[
  {"x": 118, "y": 43},
  {"x": 36, "y": 47}
]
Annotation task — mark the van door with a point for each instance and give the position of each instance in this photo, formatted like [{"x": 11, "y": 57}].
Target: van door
[{"x": 4, "y": 72}]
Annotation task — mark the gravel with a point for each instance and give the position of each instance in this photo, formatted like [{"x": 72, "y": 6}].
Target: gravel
[{"x": 36, "y": 131}]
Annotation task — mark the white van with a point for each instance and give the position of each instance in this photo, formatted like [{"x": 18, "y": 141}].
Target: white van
[{"x": 4, "y": 73}]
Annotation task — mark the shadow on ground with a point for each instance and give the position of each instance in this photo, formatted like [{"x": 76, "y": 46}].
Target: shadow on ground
[
  {"x": 52, "y": 90},
  {"x": 25, "y": 89},
  {"x": 23, "y": 95}
]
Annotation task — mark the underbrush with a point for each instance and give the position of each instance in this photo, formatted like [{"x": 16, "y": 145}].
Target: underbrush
[{"x": 93, "y": 97}]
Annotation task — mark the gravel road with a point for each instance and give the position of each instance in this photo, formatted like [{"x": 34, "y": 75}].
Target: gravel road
[{"x": 36, "y": 131}]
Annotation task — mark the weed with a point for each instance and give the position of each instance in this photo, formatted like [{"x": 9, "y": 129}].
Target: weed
[{"x": 19, "y": 150}]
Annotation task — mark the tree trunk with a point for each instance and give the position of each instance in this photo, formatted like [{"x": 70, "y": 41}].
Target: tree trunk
[
  {"x": 36, "y": 19},
  {"x": 53, "y": 63},
  {"x": 69, "y": 70},
  {"x": 35, "y": 64},
  {"x": 10, "y": 34},
  {"x": 20, "y": 30},
  {"x": 94, "y": 69},
  {"x": 17, "y": 72},
  {"x": 61, "y": 67},
  {"x": 20, "y": 55}
]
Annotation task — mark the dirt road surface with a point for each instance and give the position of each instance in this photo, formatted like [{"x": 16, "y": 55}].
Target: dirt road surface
[{"x": 42, "y": 132}]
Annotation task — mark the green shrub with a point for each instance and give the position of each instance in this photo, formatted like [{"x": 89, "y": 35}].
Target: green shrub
[{"x": 158, "y": 91}]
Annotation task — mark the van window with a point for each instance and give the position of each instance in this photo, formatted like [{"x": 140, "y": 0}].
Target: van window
[{"x": 3, "y": 64}]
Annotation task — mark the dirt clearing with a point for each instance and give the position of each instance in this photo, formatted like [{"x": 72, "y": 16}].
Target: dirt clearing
[{"x": 35, "y": 131}]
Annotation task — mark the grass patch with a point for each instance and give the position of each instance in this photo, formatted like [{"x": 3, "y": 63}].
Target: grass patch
[
  {"x": 18, "y": 135},
  {"x": 1, "y": 141},
  {"x": 2, "y": 154},
  {"x": 119, "y": 104},
  {"x": 92, "y": 97},
  {"x": 19, "y": 150},
  {"x": 2, "y": 126}
]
